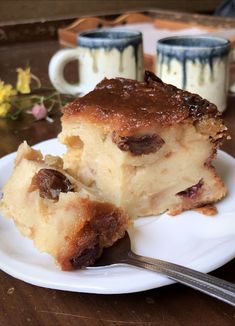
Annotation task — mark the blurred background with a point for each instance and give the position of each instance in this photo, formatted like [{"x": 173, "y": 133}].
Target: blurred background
[{"x": 30, "y": 10}]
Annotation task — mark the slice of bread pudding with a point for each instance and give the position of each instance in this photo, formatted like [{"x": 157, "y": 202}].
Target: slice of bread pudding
[
  {"x": 145, "y": 146},
  {"x": 63, "y": 218}
]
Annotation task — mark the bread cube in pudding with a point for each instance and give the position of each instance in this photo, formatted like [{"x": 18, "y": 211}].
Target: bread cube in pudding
[
  {"x": 145, "y": 146},
  {"x": 63, "y": 218}
]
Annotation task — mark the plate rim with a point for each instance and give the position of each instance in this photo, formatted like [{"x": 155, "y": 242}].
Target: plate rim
[{"x": 84, "y": 288}]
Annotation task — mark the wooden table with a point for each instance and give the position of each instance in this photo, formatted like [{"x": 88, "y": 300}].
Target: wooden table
[{"x": 25, "y": 304}]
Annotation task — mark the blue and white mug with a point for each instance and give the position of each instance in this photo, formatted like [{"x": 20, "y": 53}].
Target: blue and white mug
[
  {"x": 100, "y": 53},
  {"x": 199, "y": 64}
]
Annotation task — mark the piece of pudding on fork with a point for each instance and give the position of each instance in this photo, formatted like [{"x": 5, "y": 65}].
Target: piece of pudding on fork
[{"x": 62, "y": 217}]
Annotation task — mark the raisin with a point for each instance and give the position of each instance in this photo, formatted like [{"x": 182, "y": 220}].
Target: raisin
[
  {"x": 192, "y": 191},
  {"x": 87, "y": 257},
  {"x": 107, "y": 225},
  {"x": 151, "y": 77},
  {"x": 138, "y": 145},
  {"x": 198, "y": 106},
  {"x": 51, "y": 183}
]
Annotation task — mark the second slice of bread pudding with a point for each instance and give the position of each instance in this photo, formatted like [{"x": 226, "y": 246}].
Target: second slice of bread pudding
[
  {"x": 145, "y": 146},
  {"x": 63, "y": 218}
]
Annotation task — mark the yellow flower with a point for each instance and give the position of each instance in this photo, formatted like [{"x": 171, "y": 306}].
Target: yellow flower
[
  {"x": 23, "y": 80},
  {"x": 6, "y": 91},
  {"x": 4, "y": 108}
]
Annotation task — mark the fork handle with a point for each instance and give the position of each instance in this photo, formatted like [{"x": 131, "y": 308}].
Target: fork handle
[{"x": 205, "y": 283}]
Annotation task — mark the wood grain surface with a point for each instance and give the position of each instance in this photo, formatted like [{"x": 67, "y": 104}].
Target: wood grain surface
[
  {"x": 25, "y": 304},
  {"x": 28, "y": 10}
]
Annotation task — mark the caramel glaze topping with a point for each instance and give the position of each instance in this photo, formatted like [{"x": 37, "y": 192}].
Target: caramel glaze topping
[{"x": 127, "y": 105}]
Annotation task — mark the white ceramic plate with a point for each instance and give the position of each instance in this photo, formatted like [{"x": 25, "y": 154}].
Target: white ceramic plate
[{"x": 191, "y": 239}]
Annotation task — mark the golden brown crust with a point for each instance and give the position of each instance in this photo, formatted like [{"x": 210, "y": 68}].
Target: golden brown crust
[
  {"x": 104, "y": 224},
  {"x": 128, "y": 105},
  {"x": 214, "y": 128},
  {"x": 208, "y": 210}
]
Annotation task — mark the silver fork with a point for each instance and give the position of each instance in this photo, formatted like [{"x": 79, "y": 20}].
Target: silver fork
[{"x": 121, "y": 253}]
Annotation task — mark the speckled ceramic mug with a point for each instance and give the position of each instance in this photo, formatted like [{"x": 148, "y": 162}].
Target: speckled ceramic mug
[
  {"x": 100, "y": 53},
  {"x": 198, "y": 64}
]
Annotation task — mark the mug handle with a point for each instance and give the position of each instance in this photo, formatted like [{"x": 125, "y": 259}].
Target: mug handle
[
  {"x": 56, "y": 71},
  {"x": 232, "y": 62}
]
